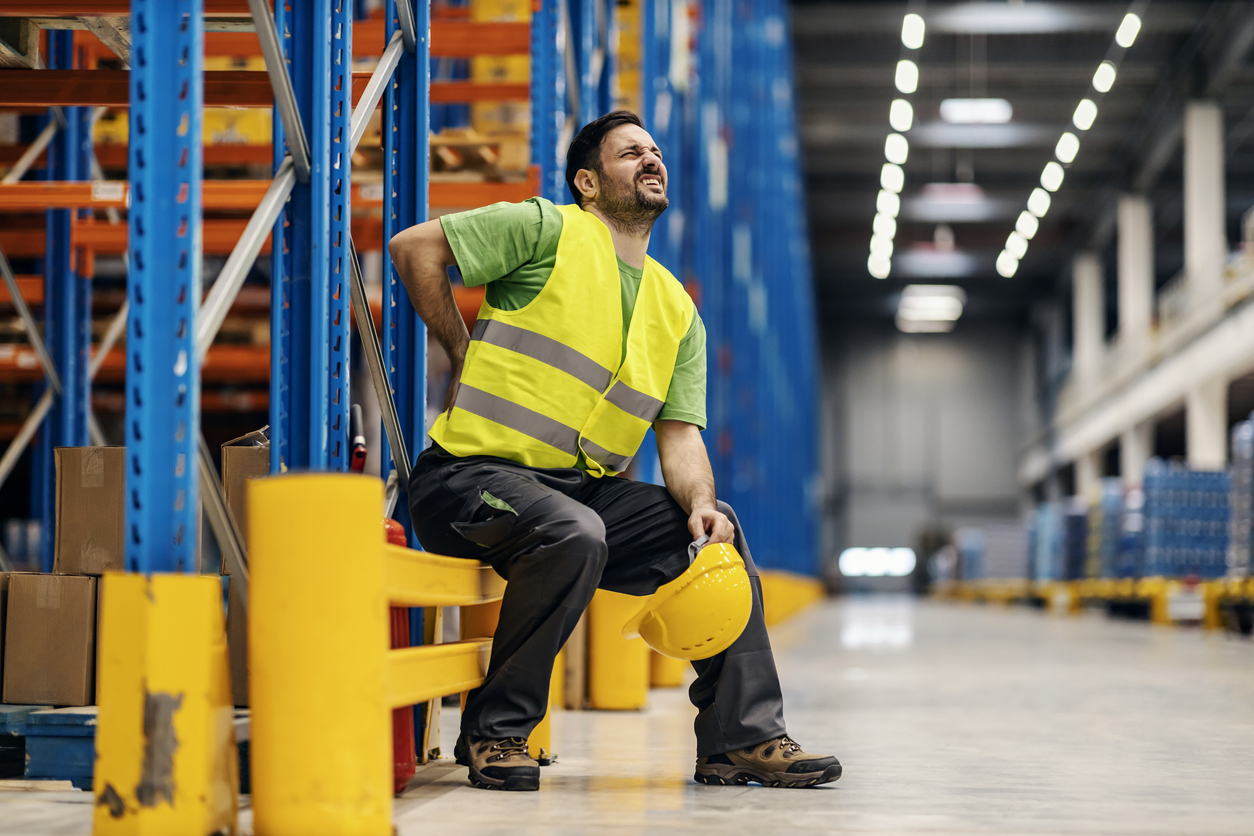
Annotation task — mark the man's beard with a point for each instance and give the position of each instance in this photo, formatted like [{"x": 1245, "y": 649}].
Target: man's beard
[{"x": 631, "y": 210}]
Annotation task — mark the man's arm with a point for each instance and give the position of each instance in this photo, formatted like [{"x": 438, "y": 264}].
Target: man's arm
[
  {"x": 686, "y": 471},
  {"x": 422, "y": 256}
]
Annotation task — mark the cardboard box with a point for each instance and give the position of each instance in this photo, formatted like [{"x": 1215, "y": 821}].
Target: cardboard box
[
  {"x": 91, "y": 510},
  {"x": 50, "y": 639},
  {"x": 243, "y": 458},
  {"x": 4, "y": 598}
]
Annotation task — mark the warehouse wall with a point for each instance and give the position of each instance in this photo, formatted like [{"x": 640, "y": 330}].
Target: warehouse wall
[{"x": 919, "y": 429}]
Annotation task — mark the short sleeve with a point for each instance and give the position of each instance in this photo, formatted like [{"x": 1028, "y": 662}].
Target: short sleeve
[
  {"x": 685, "y": 400},
  {"x": 493, "y": 241}
]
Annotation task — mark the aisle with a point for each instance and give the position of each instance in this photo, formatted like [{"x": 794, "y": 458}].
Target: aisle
[{"x": 949, "y": 719}]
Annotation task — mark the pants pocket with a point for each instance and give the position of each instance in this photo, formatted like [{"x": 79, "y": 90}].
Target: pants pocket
[{"x": 485, "y": 520}]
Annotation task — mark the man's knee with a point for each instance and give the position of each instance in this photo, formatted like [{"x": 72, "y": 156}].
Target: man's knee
[
  {"x": 576, "y": 540},
  {"x": 726, "y": 510},
  {"x": 741, "y": 545}
]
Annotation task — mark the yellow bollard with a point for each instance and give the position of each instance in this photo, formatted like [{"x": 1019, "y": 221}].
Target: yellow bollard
[
  {"x": 166, "y": 761},
  {"x": 318, "y": 637},
  {"x": 618, "y": 668},
  {"x": 665, "y": 672}
]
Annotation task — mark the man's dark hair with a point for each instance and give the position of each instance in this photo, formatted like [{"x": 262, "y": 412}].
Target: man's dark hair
[{"x": 585, "y": 148}]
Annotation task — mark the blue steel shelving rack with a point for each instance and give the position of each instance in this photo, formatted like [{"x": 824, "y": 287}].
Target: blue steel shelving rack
[{"x": 164, "y": 285}]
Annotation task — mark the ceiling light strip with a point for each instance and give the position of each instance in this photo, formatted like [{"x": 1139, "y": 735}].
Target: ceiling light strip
[
  {"x": 1069, "y": 142},
  {"x": 896, "y": 147}
]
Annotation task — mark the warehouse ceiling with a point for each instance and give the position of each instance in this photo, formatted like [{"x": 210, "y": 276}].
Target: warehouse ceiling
[{"x": 966, "y": 184}]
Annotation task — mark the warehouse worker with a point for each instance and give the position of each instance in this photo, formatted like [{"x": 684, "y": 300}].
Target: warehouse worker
[{"x": 580, "y": 329}]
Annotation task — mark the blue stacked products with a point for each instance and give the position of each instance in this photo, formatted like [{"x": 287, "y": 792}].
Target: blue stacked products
[
  {"x": 1044, "y": 542},
  {"x": 1241, "y": 502},
  {"x": 1105, "y": 530},
  {"x": 1075, "y": 539},
  {"x": 1131, "y": 552},
  {"x": 1186, "y": 520}
]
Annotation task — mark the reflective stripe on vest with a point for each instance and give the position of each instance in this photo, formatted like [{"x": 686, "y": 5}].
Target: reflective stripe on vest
[{"x": 543, "y": 383}]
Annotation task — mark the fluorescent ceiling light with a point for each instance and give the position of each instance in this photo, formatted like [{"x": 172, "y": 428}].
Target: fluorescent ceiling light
[
  {"x": 892, "y": 178},
  {"x": 884, "y": 225},
  {"x": 879, "y": 267},
  {"x": 907, "y": 76},
  {"x": 881, "y": 247},
  {"x": 901, "y": 115},
  {"x": 912, "y": 29},
  {"x": 887, "y": 203},
  {"x": 1038, "y": 202},
  {"x": 924, "y": 326},
  {"x": 926, "y": 262},
  {"x": 1104, "y": 78},
  {"x": 860, "y": 562},
  {"x": 1027, "y": 225},
  {"x": 976, "y": 111},
  {"x": 1068, "y": 146},
  {"x": 1017, "y": 245},
  {"x": 1007, "y": 264},
  {"x": 934, "y": 309},
  {"x": 1127, "y": 33},
  {"x": 896, "y": 149},
  {"x": 1051, "y": 177},
  {"x": 927, "y": 292},
  {"x": 1085, "y": 113},
  {"x": 953, "y": 192}
]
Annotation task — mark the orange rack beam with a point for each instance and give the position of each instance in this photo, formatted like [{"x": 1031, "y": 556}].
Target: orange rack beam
[
  {"x": 223, "y": 88},
  {"x": 31, "y": 287},
  {"x": 113, "y": 155},
  {"x": 449, "y": 39},
  {"x": 243, "y": 194}
]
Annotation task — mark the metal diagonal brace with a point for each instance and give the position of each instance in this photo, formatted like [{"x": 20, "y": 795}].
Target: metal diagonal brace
[
  {"x": 231, "y": 279},
  {"x": 29, "y": 324},
  {"x": 374, "y": 361},
  {"x": 225, "y": 531},
  {"x": 408, "y": 27},
  {"x": 374, "y": 90},
  {"x": 284, "y": 94}
]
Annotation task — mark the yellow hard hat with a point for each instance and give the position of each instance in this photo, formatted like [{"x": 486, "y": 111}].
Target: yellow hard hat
[{"x": 701, "y": 612}]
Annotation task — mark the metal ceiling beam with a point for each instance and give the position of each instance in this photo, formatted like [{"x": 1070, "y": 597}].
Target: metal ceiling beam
[{"x": 1035, "y": 18}]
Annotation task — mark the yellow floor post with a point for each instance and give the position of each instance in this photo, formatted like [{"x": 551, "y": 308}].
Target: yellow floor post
[
  {"x": 665, "y": 672},
  {"x": 318, "y": 639},
  {"x": 618, "y": 668},
  {"x": 166, "y": 761}
]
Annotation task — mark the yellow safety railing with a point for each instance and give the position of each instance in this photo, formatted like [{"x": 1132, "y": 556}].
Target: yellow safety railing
[{"x": 323, "y": 679}]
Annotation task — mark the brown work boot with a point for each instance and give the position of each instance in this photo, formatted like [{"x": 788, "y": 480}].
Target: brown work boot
[
  {"x": 775, "y": 763},
  {"x": 498, "y": 764}
]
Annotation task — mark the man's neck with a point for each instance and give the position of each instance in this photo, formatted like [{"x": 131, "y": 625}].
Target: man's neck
[{"x": 632, "y": 249}]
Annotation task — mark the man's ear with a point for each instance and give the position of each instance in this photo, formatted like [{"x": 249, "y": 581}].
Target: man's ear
[{"x": 586, "y": 183}]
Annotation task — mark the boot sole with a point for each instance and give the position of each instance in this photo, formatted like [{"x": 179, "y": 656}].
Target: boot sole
[
  {"x": 732, "y": 776},
  {"x": 514, "y": 783}
]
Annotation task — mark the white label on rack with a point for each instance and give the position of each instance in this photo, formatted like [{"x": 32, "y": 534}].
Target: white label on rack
[
  {"x": 106, "y": 191},
  {"x": 1186, "y": 606},
  {"x": 372, "y": 191}
]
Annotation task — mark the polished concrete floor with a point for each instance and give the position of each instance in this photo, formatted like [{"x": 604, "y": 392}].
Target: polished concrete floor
[{"x": 949, "y": 719}]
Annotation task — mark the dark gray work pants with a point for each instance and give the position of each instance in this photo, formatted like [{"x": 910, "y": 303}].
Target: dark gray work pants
[{"x": 567, "y": 534}]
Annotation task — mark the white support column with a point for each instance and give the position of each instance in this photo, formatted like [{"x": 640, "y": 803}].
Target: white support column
[
  {"x": 1136, "y": 273},
  {"x": 1136, "y": 445},
  {"x": 1206, "y": 425},
  {"x": 1205, "y": 241},
  {"x": 1089, "y": 318},
  {"x": 1088, "y": 470}
]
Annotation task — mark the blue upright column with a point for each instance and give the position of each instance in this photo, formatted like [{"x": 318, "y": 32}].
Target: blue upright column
[
  {"x": 308, "y": 423},
  {"x": 164, "y": 284},
  {"x": 67, "y": 306},
  {"x": 548, "y": 102},
  {"x": 405, "y": 146}
]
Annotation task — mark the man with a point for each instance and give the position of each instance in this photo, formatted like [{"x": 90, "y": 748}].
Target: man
[{"x": 582, "y": 344}]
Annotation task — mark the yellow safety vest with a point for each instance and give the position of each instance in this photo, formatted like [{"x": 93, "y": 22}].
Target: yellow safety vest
[{"x": 544, "y": 382}]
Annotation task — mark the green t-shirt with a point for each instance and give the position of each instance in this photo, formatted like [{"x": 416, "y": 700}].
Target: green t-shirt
[{"x": 512, "y": 247}]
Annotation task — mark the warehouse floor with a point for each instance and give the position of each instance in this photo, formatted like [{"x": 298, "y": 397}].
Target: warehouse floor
[{"x": 950, "y": 719}]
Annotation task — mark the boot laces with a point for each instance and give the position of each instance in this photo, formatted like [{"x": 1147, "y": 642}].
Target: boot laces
[
  {"x": 788, "y": 746},
  {"x": 509, "y": 747}
]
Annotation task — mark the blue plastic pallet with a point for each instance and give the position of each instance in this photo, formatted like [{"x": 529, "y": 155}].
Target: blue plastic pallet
[{"x": 61, "y": 745}]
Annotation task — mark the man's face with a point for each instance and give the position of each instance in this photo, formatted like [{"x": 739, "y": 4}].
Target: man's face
[{"x": 634, "y": 178}]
